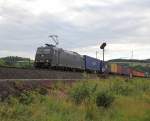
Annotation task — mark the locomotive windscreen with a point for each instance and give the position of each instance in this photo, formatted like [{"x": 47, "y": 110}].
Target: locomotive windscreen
[{"x": 43, "y": 51}]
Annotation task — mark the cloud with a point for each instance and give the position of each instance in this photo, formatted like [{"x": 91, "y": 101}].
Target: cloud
[
  {"x": 26, "y": 24},
  {"x": 117, "y": 51}
]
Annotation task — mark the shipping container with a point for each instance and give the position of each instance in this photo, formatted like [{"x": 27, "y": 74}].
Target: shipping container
[
  {"x": 138, "y": 74},
  {"x": 119, "y": 69},
  {"x": 141, "y": 74},
  {"x": 134, "y": 72},
  {"x": 113, "y": 68},
  {"x": 130, "y": 72},
  {"x": 92, "y": 64},
  {"x": 125, "y": 71},
  {"x": 109, "y": 67}
]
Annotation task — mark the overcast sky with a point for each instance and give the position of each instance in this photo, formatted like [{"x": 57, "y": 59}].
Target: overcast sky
[{"x": 82, "y": 25}]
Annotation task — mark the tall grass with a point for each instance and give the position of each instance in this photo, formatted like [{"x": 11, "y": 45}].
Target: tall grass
[{"x": 131, "y": 102}]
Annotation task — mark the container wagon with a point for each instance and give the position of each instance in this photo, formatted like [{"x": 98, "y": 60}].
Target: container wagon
[
  {"x": 119, "y": 69},
  {"x": 113, "y": 68},
  {"x": 92, "y": 64},
  {"x": 138, "y": 74},
  {"x": 125, "y": 71}
]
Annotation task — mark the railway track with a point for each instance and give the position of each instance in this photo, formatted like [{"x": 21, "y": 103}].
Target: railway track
[
  {"x": 42, "y": 79},
  {"x": 35, "y": 74},
  {"x": 14, "y": 81}
]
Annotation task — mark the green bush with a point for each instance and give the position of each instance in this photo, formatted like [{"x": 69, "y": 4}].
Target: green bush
[
  {"x": 123, "y": 88},
  {"x": 104, "y": 99},
  {"x": 2, "y": 62},
  {"x": 26, "y": 98},
  {"x": 43, "y": 91},
  {"x": 80, "y": 93}
]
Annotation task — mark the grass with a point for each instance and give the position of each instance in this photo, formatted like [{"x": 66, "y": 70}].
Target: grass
[{"x": 131, "y": 102}]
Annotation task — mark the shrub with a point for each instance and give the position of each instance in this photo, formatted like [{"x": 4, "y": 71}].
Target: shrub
[
  {"x": 80, "y": 93},
  {"x": 43, "y": 91},
  {"x": 26, "y": 98},
  {"x": 123, "y": 88},
  {"x": 104, "y": 99}
]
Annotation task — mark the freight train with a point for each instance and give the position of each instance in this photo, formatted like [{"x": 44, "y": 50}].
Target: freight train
[
  {"x": 114, "y": 68},
  {"x": 53, "y": 57}
]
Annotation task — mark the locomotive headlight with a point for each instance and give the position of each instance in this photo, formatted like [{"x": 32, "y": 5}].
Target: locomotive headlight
[{"x": 47, "y": 60}]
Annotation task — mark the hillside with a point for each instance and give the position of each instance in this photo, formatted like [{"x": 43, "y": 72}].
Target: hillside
[
  {"x": 15, "y": 61},
  {"x": 130, "y": 60},
  {"x": 147, "y": 60}
]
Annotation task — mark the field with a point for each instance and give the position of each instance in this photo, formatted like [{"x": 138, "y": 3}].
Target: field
[{"x": 111, "y": 99}]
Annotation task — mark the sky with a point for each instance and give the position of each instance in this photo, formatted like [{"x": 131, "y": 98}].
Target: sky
[{"x": 81, "y": 26}]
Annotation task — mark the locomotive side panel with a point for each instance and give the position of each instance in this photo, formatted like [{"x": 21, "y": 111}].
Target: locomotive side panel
[
  {"x": 70, "y": 60},
  {"x": 55, "y": 57}
]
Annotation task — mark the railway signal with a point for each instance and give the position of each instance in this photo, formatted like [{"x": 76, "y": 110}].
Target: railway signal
[
  {"x": 103, "y": 48},
  {"x": 103, "y": 45}
]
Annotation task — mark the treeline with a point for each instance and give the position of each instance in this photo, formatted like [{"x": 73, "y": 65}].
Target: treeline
[
  {"x": 130, "y": 60},
  {"x": 15, "y": 61}
]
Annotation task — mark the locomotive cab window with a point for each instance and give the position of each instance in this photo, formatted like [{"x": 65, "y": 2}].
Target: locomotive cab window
[{"x": 46, "y": 50}]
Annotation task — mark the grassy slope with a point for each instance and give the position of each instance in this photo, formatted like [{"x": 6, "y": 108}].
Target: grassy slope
[
  {"x": 14, "y": 61},
  {"x": 132, "y": 103}
]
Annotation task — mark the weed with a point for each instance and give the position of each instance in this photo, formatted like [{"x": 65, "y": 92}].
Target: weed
[
  {"x": 104, "y": 99},
  {"x": 80, "y": 93}
]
